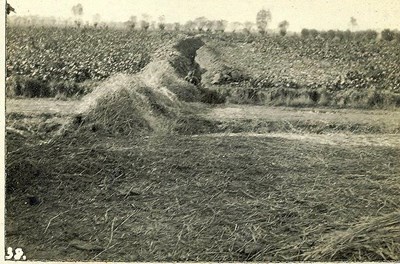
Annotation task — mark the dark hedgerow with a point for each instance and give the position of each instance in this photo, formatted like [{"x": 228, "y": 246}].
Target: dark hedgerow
[{"x": 22, "y": 86}]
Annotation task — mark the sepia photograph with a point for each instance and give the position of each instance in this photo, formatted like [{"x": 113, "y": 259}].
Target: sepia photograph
[{"x": 201, "y": 130}]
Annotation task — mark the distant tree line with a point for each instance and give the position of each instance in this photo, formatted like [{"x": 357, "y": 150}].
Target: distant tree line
[
  {"x": 202, "y": 24},
  {"x": 365, "y": 35}
]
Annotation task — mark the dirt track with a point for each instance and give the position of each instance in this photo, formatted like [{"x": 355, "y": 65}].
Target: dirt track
[
  {"x": 385, "y": 119},
  {"x": 377, "y": 117},
  {"x": 384, "y": 140},
  {"x": 37, "y": 106},
  {"x": 289, "y": 113}
]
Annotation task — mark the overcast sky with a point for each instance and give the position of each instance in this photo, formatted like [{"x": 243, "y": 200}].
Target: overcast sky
[{"x": 320, "y": 14}]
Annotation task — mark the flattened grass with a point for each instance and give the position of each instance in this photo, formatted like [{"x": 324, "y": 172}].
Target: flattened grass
[{"x": 199, "y": 198}]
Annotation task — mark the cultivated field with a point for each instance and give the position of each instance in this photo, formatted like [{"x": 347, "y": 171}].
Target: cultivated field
[{"x": 214, "y": 148}]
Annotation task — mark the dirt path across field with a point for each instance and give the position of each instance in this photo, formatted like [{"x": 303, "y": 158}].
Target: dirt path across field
[
  {"x": 37, "y": 106},
  {"x": 383, "y": 140},
  {"x": 382, "y": 117},
  {"x": 388, "y": 121}
]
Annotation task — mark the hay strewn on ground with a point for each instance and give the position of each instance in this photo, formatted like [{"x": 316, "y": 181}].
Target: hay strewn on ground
[
  {"x": 374, "y": 239},
  {"x": 203, "y": 198}
]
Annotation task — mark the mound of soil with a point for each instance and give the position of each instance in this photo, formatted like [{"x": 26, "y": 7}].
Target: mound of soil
[{"x": 217, "y": 71}]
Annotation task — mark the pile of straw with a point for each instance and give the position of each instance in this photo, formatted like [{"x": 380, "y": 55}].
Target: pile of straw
[
  {"x": 148, "y": 101},
  {"x": 371, "y": 240}
]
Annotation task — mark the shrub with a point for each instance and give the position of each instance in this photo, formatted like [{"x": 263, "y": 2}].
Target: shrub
[
  {"x": 209, "y": 96},
  {"x": 374, "y": 98},
  {"x": 32, "y": 87},
  {"x": 370, "y": 35},
  {"x": 387, "y": 35},
  {"x": 314, "y": 33},
  {"x": 247, "y": 95},
  {"x": 305, "y": 33},
  {"x": 13, "y": 86},
  {"x": 314, "y": 95},
  {"x": 324, "y": 98},
  {"x": 35, "y": 88},
  {"x": 301, "y": 100},
  {"x": 27, "y": 87}
]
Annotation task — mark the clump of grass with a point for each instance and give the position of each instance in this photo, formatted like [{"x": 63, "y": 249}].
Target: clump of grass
[
  {"x": 368, "y": 99},
  {"x": 66, "y": 89},
  {"x": 325, "y": 98},
  {"x": 246, "y": 95},
  {"x": 302, "y": 100},
  {"x": 378, "y": 99},
  {"x": 373, "y": 239},
  {"x": 20, "y": 173},
  {"x": 281, "y": 96},
  {"x": 211, "y": 96}
]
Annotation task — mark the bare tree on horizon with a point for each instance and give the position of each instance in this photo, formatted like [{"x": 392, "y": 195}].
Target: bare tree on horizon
[
  {"x": 353, "y": 23},
  {"x": 9, "y": 9},
  {"x": 262, "y": 20}
]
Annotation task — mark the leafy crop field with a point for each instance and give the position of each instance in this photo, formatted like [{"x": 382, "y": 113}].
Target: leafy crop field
[
  {"x": 201, "y": 148},
  {"x": 70, "y": 53},
  {"x": 305, "y": 72},
  {"x": 53, "y": 59},
  {"x": 274, "y": 70},
  {"x": 317, "y": 62}
]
